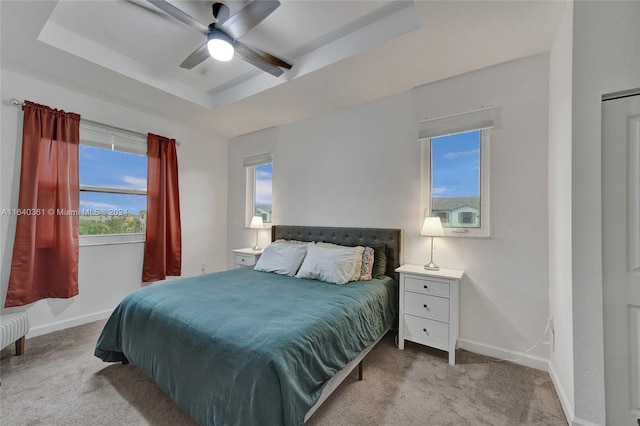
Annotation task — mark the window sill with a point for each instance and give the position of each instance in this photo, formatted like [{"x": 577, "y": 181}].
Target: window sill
[
  {"x": 112, "y": 239},
  {"x": 466, "y": 233}
]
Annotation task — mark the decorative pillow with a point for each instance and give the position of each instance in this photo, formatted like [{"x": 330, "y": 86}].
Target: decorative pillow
[
  {"x": 334, "y": 265},
  {"x": 281, "y": 258},
  {"x": 380, "y": 260},
  {"x": 357, "y": 249},
  {"x": 367, "y": 264},
  {"x": 283, "y": 241}
]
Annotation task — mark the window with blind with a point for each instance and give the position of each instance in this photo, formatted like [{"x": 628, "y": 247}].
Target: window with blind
[
  {"x": 113, "y": 183},
  {"x": 455, "y": 171},
  {"x": 259, "y": 172}
]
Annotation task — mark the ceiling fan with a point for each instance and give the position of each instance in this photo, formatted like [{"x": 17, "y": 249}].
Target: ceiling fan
[{"x": 222, "y": 35}]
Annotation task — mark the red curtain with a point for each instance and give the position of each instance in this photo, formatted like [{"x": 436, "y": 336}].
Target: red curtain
[
  {"x": 163, "y": 242},
  {"x": 45, "y": 251}
]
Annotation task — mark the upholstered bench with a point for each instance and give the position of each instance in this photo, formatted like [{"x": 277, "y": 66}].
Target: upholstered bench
[{"x": 13, "y": 328}]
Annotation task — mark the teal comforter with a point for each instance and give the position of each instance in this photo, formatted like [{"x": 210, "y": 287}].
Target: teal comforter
[{"x": 243, "y": 347}]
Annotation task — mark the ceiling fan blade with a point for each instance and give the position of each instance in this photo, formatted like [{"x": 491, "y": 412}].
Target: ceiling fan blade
[
  {"x": 248, "y": 17},
  {"x": 180, "y": 15},
  {"x": 255, "y": 58},
  {"x": 198, "y": 56},
  {"x": 144, "y": 5},
  {"x": 220, "y": 12},
  {"x": 264, "y": 55}
]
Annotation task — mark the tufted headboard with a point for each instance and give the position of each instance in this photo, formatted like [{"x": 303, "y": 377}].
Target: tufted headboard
[{"x": 346, "y": 237}]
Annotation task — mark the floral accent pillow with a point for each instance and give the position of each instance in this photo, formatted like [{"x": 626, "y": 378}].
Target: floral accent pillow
[{"x": 367, "y": 264}]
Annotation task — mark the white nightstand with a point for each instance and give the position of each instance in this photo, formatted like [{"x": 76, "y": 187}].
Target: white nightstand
[
  {"x": 429, "y": 308},
  {"x": 246, "y": 257}
]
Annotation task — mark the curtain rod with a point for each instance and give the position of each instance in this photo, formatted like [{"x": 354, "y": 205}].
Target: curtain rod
[{"x": 21, "y": 104}]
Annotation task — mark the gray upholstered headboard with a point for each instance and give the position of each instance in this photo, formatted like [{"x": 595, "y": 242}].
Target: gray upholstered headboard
[{"x": 347, "y": 237}]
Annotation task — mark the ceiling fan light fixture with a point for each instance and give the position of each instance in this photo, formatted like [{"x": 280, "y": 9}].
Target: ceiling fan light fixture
[{"x": 220, "y": 45}]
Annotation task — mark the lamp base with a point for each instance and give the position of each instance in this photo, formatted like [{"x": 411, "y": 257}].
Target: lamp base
[
  {"x": 256, "y": 248},
  {"x": 432, "y": 267}
]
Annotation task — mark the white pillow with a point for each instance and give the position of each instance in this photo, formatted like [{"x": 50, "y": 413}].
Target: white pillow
[
  {"x": 357, "y": 249},
  {"x": 334, "y": 265},
  {"x": 281, "y": 258}
]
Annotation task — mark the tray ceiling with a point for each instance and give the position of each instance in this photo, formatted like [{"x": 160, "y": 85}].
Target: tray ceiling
[{"x": 344, "y": 53}]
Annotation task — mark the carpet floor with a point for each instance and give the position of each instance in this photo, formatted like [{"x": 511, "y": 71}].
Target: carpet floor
[{"x": 58, "y": 381}]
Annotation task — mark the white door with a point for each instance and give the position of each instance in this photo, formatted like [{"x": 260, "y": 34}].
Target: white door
[{"x": 621, "y": 258}]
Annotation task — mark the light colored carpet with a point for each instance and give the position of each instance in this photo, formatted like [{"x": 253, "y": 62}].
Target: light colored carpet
[{"x": 58, "y": 381}]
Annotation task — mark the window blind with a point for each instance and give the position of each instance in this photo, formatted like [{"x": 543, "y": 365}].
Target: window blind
[
  {"x": 258, "y": 159},
  {"x": 458, "y": 123},
  {"x": 102, "y": 137}
]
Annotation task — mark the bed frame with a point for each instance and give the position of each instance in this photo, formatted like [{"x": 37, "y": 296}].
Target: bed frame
[{"x": 347, "y": 237}]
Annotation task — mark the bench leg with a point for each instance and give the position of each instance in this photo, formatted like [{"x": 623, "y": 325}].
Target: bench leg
[{"x": 20, "y": 345}]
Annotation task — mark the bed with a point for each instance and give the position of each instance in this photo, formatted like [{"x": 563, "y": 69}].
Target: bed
[{"x": 244, "y": 347}]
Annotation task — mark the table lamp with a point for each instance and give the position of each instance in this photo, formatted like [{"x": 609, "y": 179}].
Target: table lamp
[
  {"x": 256, "y": 223},
  {"x": 432, "y": 227}
]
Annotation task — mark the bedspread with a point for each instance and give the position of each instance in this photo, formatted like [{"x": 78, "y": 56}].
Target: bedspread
[{"x": 243, "y": 347}]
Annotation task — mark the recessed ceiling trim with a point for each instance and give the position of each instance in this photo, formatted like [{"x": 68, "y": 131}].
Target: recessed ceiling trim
[
  {"x": 77, "y": 45},
  {"x": 380, "y": 31},
  {"x": 402, "y": 18}
]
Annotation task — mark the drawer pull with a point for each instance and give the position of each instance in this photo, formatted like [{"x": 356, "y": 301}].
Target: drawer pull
[
  {"x": 425, "y": 306},
  {"x": 425, "y": 330},
  {"x": 426, "y": 286},
  {"x": 242, "y": 260}
]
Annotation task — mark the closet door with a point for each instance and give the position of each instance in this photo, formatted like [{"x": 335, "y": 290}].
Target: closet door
[{"x": 621, "y": 257}]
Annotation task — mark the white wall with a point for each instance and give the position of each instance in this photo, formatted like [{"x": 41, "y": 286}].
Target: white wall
[
  {"x": 606, "y": 59},
  {"x": 108, "y": 273},
  {"x": 560, "y": 289},
  {"x": 361, "y": 167}
]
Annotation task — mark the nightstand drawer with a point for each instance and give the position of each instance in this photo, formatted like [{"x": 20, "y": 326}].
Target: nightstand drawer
[
  {"x": 424, "y": 305},
  {"x": 242, "y": 260},
  {"x": 426, "y": 331},
  {"x": 421, "y": 285}
]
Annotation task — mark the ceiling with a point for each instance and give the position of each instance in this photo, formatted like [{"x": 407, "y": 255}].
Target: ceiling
[{"x": 344, "y": 53}]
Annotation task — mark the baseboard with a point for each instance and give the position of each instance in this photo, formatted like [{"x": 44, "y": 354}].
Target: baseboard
[
  {"x": 72, "y": 322},
  {"x": 580, "y": 422},
  {"x": 567, "y": 408},
  {"x": 529, "y": 361},
  {"x": 501, "y": 353}
]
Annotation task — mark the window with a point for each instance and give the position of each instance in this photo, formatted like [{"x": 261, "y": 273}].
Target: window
[
  {"x": 259, "y": 186},
  {"x": 466, "y": 218},
  {"x": 113, "y": 184},
  {"x": 262, "y": 192},
  {"x": 455, "y": 172}
]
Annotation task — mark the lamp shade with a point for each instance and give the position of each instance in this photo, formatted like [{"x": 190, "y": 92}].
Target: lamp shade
[
  {"x": 220, "y": 45},
  {"x": 256, "y": 222},
  {"x": 432, "y": 227}
]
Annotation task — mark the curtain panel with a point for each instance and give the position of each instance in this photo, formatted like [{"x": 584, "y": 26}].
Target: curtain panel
[
  {"x": 163, "y": 241},
  {"x": 45, "y": 252}
]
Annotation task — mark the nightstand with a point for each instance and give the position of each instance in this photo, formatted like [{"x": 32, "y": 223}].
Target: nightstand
[
  {"x": 429, "y": 308},
  {"x": 246, "y": 257}
]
